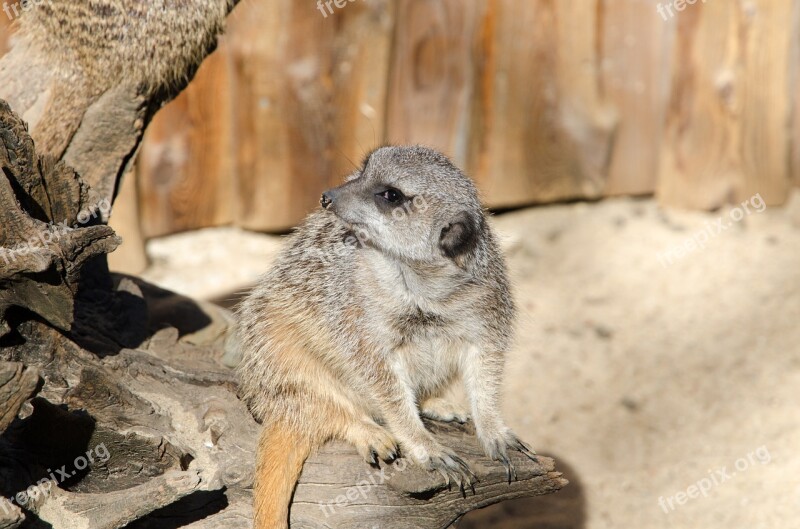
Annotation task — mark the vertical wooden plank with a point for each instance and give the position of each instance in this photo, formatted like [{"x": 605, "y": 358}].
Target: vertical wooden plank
[
  {"x": 5, "y": 32},
  {"x": 635, "y": 74},
  {"x": 186, "y": 169},
  {"x": 696, "y": 168},
  {"x": 766, "y": 27},
  {"x": 309, "y": 98},
  {"x": 541, "y": 131},
  {"x": 360, "y": 61},
  {"x": 130, "y": 257},
  {"x": 726, "y": 133},
  {"x": 794, "y": 89},
  {"x": 259, "y": 38},
  {"x": 433, "y": 74}
]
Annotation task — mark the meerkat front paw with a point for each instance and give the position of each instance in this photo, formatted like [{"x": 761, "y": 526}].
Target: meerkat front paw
[
  {"x": 440, "y": 409},
  {"x": 496, "y": 447},
  {"x": 373, "y": 442},
  {"x": 445, "y": 461}
]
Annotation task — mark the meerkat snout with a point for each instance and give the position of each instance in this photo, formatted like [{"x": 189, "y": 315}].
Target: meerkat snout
[{"x": 325, "y": 200}]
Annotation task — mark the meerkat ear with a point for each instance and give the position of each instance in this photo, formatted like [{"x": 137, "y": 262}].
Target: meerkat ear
[{"x": 459, "y": 236}]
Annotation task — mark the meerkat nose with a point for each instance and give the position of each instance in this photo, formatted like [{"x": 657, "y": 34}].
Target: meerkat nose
[{"x": 326, "y": 200}]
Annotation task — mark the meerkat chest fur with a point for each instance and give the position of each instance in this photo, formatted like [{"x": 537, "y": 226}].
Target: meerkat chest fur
[{"x": 424, "y": 312}]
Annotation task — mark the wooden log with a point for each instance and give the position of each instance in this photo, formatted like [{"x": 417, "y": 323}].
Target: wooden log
[
  {"x": 11, "y": 516},
  {"x": 114, "y": 509},
  {"x": 401, "y": 495}
]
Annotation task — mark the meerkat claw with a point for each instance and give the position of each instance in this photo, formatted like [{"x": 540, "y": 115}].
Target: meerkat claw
[
  {"x": 521, "y": 446},
  {"x": 510, "y": 470},
  {"x": 454, "y": 469}
]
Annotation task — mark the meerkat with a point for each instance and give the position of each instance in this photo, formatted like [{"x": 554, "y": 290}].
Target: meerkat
[{"x": 381, "y": 299}]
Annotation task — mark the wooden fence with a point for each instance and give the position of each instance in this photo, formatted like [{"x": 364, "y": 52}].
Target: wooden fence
[{"x": 539, "y": 100}]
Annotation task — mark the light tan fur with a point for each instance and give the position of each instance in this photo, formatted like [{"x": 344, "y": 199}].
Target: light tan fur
[
  {"x": 90, "y": 46},
  {"x": 379, "y": 301}
]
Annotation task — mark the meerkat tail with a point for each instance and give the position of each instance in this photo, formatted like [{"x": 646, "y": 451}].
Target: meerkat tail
[{"x": 280, "y": 456}]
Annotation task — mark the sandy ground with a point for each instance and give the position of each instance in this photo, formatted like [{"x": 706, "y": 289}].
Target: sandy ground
[{"x": 648, "y": 375}]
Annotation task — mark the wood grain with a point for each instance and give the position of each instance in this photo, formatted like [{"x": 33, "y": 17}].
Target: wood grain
[
  {"x": 766, "y": 107},
  {"x": 5, "y": 32},
  {"x": 349, "y": 493},
  {"x": 47, "y": 232},
  {"x": 17, "y": 385},
  {"x": 794, "y": 87},
  {"x": 540, "y": 130},
  {"x": 726, "y": 129},
  {"x": 634, "y": 45},
  {"x": 433, "y": 74},
  {"x": 185, "y": 166},
  {"x": 310, "y": 102}
]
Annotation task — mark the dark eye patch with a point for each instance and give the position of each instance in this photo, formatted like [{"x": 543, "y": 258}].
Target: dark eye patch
[
  {"x": 392, "y": 196},
  {"x": 388, "y": 198}
]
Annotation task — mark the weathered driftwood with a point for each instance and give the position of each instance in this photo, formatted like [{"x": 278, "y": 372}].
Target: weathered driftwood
[
  {"x": 337, "y": 489},
  {"x": 17, "y": 384},
  {"x": 11, "y": 517},
  {"x": 48, "y": 228}
]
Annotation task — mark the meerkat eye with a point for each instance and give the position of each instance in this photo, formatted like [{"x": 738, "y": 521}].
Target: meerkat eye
[{"x": 391, "y": 195}]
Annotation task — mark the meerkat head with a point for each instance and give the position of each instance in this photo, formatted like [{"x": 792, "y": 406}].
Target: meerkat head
[{"x": 411, "y": 203}]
